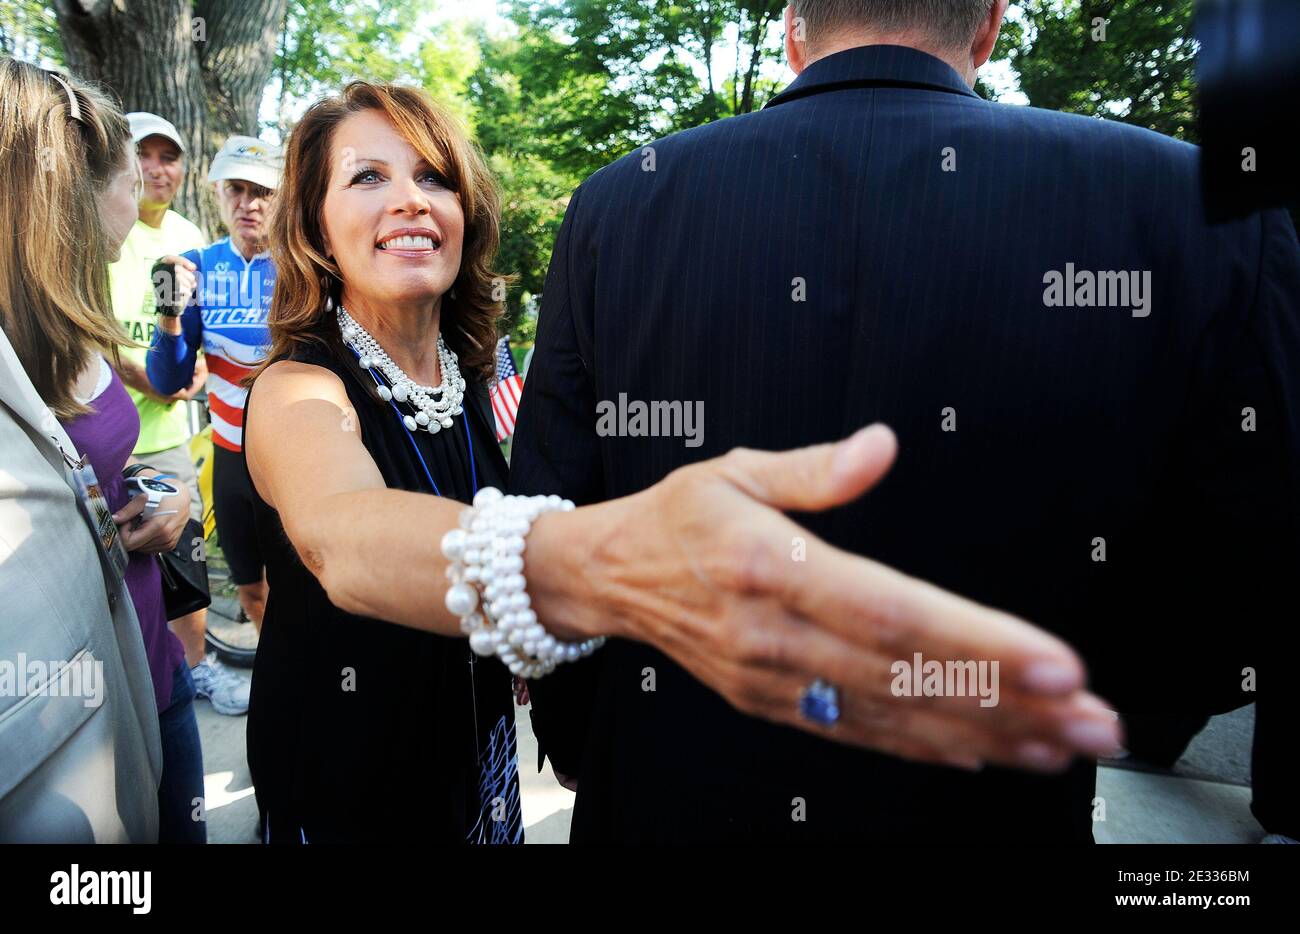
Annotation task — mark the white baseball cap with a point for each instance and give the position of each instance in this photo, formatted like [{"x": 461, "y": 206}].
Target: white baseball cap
[
  {"x": 144, "y": 125},
  {"x": 248, "y": 159}
]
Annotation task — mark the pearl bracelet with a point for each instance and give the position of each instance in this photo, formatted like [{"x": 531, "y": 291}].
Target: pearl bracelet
[{"x": 488, "y": 590}]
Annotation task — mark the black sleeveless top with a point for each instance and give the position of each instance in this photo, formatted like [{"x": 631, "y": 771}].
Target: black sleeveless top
[{"x": 362, "y": 730}]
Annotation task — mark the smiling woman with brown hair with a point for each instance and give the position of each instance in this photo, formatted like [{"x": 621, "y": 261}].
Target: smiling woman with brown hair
[
  {"x": 308, "y": 270},
  {"x": 386, "y": 211},
  {"x": 368, "y": 430}
]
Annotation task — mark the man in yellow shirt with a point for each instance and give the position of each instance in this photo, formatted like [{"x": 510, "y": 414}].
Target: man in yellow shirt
[{"x": 164, "y": 420}]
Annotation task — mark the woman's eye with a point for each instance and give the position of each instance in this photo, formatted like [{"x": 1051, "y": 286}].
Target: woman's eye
[
  {"x": 365, "y": 175},
  {"x": 434, "y": 178}
]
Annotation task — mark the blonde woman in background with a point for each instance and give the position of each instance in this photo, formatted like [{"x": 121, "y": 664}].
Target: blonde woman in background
[{"x": 72, "y": 183}]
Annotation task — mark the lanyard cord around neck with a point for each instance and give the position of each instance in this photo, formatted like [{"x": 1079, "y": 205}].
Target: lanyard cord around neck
[{"x": 469, "y": 441}]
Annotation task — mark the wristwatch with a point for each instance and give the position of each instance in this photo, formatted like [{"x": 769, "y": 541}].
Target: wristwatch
[{"x": 153, "y": 487}]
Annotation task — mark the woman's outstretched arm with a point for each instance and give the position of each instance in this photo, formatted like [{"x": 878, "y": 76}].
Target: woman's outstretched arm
[{"x": 698, "y": 566}]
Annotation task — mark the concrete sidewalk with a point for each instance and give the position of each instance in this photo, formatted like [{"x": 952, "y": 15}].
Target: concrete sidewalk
[{"x": 1205, "y": 799}]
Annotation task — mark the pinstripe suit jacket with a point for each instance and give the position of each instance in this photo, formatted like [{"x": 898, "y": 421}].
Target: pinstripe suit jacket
[{"x": 881, "y": 244}]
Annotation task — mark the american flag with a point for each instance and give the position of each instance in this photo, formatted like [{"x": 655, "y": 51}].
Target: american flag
[{"x": 505, "y": 394}]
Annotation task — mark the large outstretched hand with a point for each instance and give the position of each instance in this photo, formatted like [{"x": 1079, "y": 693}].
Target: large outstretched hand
[{"x": 702, "y": 566}]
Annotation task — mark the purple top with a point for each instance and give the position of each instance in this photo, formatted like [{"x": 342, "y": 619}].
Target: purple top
[{"x": 107, "y": 435}]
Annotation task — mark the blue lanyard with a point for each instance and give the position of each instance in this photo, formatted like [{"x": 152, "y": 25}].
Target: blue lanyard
[{"x": 469, "y": 441}]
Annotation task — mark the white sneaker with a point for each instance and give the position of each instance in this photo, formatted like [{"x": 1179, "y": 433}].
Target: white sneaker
[{"x": 227, "y": 691}]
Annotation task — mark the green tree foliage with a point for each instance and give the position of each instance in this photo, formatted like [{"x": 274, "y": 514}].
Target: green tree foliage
[
  {"x": 30, "y": 31},
  {"x": 534, "y": 196},
  {"x": 323, "y": 45},
  {"x": 447, "y": 60},
  {"x": 594, "y": 79},
  {"x": 575, "y": 85},
  {"x": 1130, "y": 60}
]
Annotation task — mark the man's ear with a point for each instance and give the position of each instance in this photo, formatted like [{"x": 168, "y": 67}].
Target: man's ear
[
  {"x": 987, "y": 35},
  {"x": 796, "y": 49}
]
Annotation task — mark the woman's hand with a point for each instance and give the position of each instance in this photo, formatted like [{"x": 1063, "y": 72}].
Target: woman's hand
[
  {"x": 705, "y": 567},
  {"x": 702, "y": 566},
  {"x": 161, "y": 531}
]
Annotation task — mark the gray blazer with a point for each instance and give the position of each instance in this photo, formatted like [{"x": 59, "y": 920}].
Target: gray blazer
[{"x": 81, "y": 768}]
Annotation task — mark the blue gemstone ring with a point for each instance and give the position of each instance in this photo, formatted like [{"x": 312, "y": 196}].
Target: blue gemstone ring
[{"x": 820, "y": 703}]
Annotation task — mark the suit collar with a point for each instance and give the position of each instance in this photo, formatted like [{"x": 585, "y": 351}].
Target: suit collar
[
  {"x": 19, "y": 395},
  {"x": 875, "y": 66}
]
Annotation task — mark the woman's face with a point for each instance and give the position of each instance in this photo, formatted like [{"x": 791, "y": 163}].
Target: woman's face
[
  {"x": 119, "y": 204},
  {"x": 389, "y": 222}
]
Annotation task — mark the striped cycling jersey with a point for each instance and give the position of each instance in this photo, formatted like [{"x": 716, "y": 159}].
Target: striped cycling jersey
[{"x": 226, "y": 318}]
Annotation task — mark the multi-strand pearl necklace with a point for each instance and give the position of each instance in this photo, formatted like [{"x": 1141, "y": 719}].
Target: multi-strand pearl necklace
[{"x": 434, "y": 406}]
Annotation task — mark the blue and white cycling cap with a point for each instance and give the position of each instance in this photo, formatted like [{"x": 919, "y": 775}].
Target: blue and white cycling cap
[{"x": 248, "y": 159}]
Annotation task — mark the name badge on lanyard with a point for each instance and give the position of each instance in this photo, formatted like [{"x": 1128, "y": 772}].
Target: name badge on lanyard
[{"x": 95, "y": 508}]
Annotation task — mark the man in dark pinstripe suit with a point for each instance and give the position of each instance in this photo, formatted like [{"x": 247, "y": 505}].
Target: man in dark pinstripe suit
[{"x": 1096, "y": 394}]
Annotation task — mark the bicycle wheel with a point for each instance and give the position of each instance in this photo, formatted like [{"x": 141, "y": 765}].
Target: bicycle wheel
[{"x": 229, "y": 632}]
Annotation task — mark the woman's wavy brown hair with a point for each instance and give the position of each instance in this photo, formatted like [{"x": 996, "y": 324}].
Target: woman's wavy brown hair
[
  {"x": 306, "y": 277},
  {"x": 54, "y": 161}
]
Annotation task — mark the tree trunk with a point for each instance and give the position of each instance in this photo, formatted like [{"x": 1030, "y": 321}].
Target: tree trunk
[
  {"x": 708, "y": 30},
  {"x": 765, "y": 15},
  {"x": 203, "y": 65}
]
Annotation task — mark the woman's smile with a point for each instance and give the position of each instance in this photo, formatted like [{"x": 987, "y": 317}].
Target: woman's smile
[{"x": 416, "y": 242}]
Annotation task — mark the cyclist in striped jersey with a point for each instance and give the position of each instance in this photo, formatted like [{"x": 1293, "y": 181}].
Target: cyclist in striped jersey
[{"x": 229, "y": 286}]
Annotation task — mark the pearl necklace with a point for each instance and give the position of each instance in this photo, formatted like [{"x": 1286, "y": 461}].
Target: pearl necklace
[{"x": 434, "y": 406}]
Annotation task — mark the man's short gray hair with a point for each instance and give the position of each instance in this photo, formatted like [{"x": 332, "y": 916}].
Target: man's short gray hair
[{"x": 951, "y": 23}]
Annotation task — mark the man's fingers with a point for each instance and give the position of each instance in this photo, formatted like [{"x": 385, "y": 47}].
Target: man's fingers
[
  {"x": 175, "y": 274},
  {"x": 178, "y": 261},
  {"x": 813, "y": 478}
]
